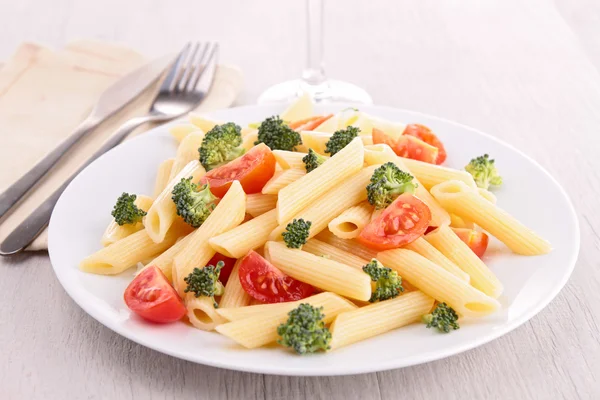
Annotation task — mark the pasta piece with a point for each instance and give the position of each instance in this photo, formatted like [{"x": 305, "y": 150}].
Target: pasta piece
[
  {"x": 320, "y": 212},
  {"x": 162, "y": 176},
  {"x": 250, "y": 235},
  {"x": 249, "y": 131},
  {"x": 331, "y": 300},
  {"x": 382, "y": 153},
  {"x": 261, "y": 329},
  {"x": 165, "y": 260},
  {"x": 328, "y": 251},
  {"x": 430, "y": 174},
  {"x": 182, "y": 130},
  {"x": 438, "y": 283},
  {"x": 321, "y": 272},
  {"x": 186, "y": 152},
  {"x": 375, "y": 319},
  {"x": 445, "y": 240},
  {"x": 163, "y": 213},
  {"x": 486, "y": 194},
  {"x": 205, "y": 124},
  {"x": 458, "y": 222},
  {"x": 300, "y": 109},
  {"x": 424, "y": 248},
  {"x": 282, "y": 179},
  {"x": 351, "y": 222},
  {"x": 303, "y": 192},
  {"x": 289, "y": 159},
  {"x": 126, "y": 253},
  {"x": 318, "y": 140},
  {"x": 458, "y": 198},
  {"x": 235, "y": 295},
  {"x": 228, "y": 214},
  {"x": 258, "y": 203},
  {"x": 249, "y": 139},
  {"x": 115, "y": 232},
  {"x": 349, "y": 246},
  {"x": 202, "y": 313}
]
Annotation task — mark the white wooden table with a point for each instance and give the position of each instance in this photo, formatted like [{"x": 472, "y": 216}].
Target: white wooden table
[{"x": 527, "y": 72}]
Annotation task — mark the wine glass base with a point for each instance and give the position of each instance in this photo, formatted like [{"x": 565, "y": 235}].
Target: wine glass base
[{"x": 330, "y": 91}]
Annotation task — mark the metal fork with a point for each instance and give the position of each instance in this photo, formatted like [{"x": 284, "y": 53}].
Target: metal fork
[{"x": 186, "y": 84}]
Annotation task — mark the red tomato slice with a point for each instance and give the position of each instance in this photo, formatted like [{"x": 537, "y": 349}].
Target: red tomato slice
[
  {"x": 424, "y": 133},
  {"x": 253, "y": 170},
  {"x": 402, "y": 222},
  {"x": 416, "y": 149},
  {"x": 151, "y": 297},
  {"x": 264, "y": 282},
  {"x": 380, "y": 136},
  {"x": 309, "y": 124},
  {"x": 227, "y": 268},
  {"x": 477, "y": 241}
]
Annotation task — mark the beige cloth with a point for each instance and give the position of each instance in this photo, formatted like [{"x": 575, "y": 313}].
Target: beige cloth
[{"x": 45, "y": 94}]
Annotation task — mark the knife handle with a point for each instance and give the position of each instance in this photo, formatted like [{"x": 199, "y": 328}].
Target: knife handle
[
  {"x": 18, "y": 189},
  {"x": 35, "y": 223}
]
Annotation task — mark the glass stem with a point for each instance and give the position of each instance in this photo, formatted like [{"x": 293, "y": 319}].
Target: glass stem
[{"x": 314, "y": 73}]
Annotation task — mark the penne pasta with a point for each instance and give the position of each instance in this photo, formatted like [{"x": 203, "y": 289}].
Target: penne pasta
[
  {"x": 165, "y": 260},
  {"x": 234, "y": 295},
  {"x": 445, "y": 240},
  {"x": 424, "y": 248},
  {"x": 205, "y": 124},
  {"x": 470, "y": 205},
  {"x": 228, "y": 214},
  {"x": 289, "y": 159},
  {"x": 202, "y": 312},
  {"x": 486, "y": 194},
  {"x": 375, "y": 319},
  {"x": 306, "y": 190},
  {"x": 349, "y": 246},
  {"x": 321, "y": 272},
  {"x": 249, "y": 139},
  {"x": 115, "y": 232},
  {"x": 438, "y": 283},
  {"x": 250, "y": 235},
  {"x": 182, "y": 130},
  {"x": 322, "y": 249},
  {"x": 318, "y": 140},
  {"x": 458, "y": 222},
  {"x": 258, "y": 203},
  {"x": 351, "y": 222},
  {"x": 339, "y": 198},
  {"x": 261, "y": 329},
  {"x": 163, "y": 213},
  {"x": 186, "y": 152},
  {"x": 281, "y": 179},
  {"x": 430, "y": 174},
  {"x": 162, "y": 176}
]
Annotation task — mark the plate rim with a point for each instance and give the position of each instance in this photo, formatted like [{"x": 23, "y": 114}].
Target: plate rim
[{"x": 352, "y": 369}]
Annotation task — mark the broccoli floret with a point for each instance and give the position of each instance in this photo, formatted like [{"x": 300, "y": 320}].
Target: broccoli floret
[
  {"x": 305, "y": 331},
  {"x": 387, "y": 183},
  {"x": 194, "y": 203},
  {"x": 220, "y": 145},
  {"x": 341, "y": 139},
  {"x": 313, "y": 160},
  {"x": 276, "y": 134},
  {"x": 484, "y": 172},
  {"x": 388, "y": 283},
  {"x": 125, "y": 211},
  {"x": 443, "y": 318},
  {"x": 205, "y": 282},
  {"x": 296, "y": 233}
]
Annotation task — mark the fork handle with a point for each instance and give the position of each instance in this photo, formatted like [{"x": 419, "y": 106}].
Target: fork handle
[
  {"x": 35, "y": 223},
  {"x": 18, "y": 189}
]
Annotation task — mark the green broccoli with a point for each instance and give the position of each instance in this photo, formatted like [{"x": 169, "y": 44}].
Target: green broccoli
[
  {"x": 388, "y": 283},
  {"x": 387, "y": 183},
  {"x": 305, "y": 331},
  {"x": 205, "y": 282},
  {"x": 341, "y": 139},
  {"x": 194, "y": 203},
  {"x": 313, "y": 160},
  {"x": 443, "y": 318},
  {"x": 276, "y": 134},
  {"x": 296, "y": 233},
  {"x": 220, "y": 145},
  {"x": 125, "y": 211},
  {"x": 484, "y": 172}
]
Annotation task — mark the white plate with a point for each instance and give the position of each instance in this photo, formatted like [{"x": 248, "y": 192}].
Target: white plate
[{"x": 528, "y": 192}]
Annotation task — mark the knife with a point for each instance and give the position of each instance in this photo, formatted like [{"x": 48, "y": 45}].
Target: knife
[{"x": 117, "y": 96}]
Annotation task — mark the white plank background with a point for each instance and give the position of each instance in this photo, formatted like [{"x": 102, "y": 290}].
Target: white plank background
[{"x": 526, "y": 72}]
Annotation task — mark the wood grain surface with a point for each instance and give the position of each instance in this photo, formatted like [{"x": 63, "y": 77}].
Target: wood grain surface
[{"x": 526, "y": 72}]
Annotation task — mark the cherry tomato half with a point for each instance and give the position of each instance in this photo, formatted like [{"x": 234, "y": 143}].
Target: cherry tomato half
[
  {"x": 408, "y": 146},
  {"x": 253, "y": 170},
  {"x": 151, "y": 296},
  {"x": 425, "y": 134},
  {"x": 264, "y": 282},
  {"x": 477, "y": 241},
  {"x": 402, "y": 222},
  {"x": 227, "y": 268}
]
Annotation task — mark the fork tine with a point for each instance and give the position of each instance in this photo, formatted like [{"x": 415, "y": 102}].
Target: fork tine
[
  {"x": 199, "y": 65},
  {"x": 188, "y": 67},
  {"x": 204, "y": 80},
  {"x": 173, "y": 74}
]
